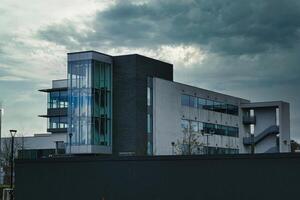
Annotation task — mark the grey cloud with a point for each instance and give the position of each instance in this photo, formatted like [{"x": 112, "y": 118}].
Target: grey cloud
[{"x": 223, "y": 26}]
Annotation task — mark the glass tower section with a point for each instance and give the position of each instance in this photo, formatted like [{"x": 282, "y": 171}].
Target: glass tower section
[{"x": 90, "y": 102}]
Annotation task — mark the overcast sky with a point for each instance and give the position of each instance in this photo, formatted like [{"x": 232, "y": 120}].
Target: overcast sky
[{"x": 249, "y": 49}]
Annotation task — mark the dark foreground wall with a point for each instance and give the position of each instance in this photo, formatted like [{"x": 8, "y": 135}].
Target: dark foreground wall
[{"x": 266, "y": 177}]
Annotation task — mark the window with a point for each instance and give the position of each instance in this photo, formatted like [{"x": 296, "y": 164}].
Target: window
[
  {"x": 194, "y": 126},
  {"x": 184, "y": 125},
  {"x": 217, "y": 106},
  {"x": 57, "y": 122},
  {"x": 233, "y": 131},
  {"x": 220, "y": 130},
  {"x": 200, "y": 127},
  {"x": 58, "y": 99},
  {"x": 185, "y": 100},
  {"x": 209, "y": 128},
  {"x": 53, "y": 122},
  {"x": 148, "y": 96},
  {"x": 233, "y": 110},
  {"x": 209, "y": 105},
  {"x": 193, "y": 102},
  {"x": 201, "y": 103},
  {"x": 149, "y": 123},
  {"x": 63, "y": 99}
]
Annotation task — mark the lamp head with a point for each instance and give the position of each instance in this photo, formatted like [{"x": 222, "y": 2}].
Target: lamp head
[{"x": 13, "y": 133}]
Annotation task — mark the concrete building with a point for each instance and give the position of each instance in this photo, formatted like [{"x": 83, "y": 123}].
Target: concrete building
[
  {"x": 130, "y": 105},
  {"x": 221, "y": 123}
]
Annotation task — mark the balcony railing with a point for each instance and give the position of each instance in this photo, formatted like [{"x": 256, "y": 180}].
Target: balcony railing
[{"x": 57, "y": 111}]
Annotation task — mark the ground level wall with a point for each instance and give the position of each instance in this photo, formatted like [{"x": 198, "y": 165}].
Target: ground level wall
[{"x": 233, "y": 177}]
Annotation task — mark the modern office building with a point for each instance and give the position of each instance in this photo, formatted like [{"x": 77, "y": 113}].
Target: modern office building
[{"x": 130, "y": 105}]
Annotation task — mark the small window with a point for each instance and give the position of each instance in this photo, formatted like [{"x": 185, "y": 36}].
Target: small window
[
  {"x": 194, "y": 126},
  {"x": 209, "y": 105},
  {"x": 184, "y": 125},
  {"x": 201, "y": 103},
  {"x": 185, "y": 100},
  {"x": 193, "y": 102}
]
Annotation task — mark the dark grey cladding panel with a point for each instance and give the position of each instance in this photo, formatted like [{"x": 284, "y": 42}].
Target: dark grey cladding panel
[
  {"x": 228, "y": 177},
  {"x": 124, "y": 106},
  {"x": 88, "y": 55},
  {"x": 130, "y": 100}
]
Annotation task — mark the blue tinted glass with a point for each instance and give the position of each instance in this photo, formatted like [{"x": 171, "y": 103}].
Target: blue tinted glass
[
  {"x": 193, "y": 102},
  {"x": 185, "y": 100},
  {"x": 194, "y": 127},
  {"x": 209, "y": 105},
  {"x": 201, "y": 103},
  {"x": 184, "y": 125}
]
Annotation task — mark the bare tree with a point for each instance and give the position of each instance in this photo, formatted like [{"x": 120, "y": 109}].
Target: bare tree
[
  {"x": 6, "y": 156},
  {"x": 189, "y": 144}
]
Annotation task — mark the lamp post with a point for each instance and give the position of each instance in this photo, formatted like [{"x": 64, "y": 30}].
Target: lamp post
[
  {"x": 13, "y": 134},
  {"x": 173, "y": 144},
  {"x": 70, "y": 137}
]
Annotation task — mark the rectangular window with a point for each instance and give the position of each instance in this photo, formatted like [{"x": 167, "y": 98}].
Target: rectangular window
[
  {"x": 201, "y": 128},
  {"x": 185, "y": 100},
  {"x": 193, "y": 102},
  {"x": 232, "y": 110},
  {"x": 194, "y": 127},
  {"x": 209, "y": 105},
  {"x": 233, "y": 131},
  {"x": 149, "y": 96},
  {"x": 201, "y": 103},
  {"x": 217, "y": 106},
  {"x": 184, "y": 125},
  {"x": 209, "y": 128},
  {"x": 149, "y": 123}
]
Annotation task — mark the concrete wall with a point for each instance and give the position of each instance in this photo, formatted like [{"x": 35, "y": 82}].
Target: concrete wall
[
  {"x": 235, "y": 177},
  {"x": 265, "y": 117},
  {"x": 284, "y": 127}
]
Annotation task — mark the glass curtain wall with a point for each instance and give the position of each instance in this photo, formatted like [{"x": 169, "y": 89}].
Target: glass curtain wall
[
  {"x": 89, "y": 92},
  {"x": 102, "y": 104},
  {"x": 58, "y": 99}
]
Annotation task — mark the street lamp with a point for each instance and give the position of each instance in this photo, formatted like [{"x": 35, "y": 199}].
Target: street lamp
[
  {"x": 173, "y": 144},
  {"x": 70, "y": 138},
  {"x": 13, "y": 134}
]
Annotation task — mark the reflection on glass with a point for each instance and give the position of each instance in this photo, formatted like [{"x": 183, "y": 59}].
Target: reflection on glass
[{"x": 90, "y": 113}]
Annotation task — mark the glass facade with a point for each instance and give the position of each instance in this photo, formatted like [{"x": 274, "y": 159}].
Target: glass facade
[
  {"x": 57, "y": 122},
  {"x": 58, "y": 99},
  {"x": 194, "y": 102},
  {"x": 204, "y": 128},
  {"x": 215, "y": 129},
  {"x": 90, "y": 102}
]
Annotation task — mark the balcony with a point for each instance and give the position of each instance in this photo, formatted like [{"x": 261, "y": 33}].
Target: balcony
[{"x": 249, "y": 120}]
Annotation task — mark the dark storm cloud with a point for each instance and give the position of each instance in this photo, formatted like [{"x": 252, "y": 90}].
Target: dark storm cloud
[{"x": 223, "y": 26}]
